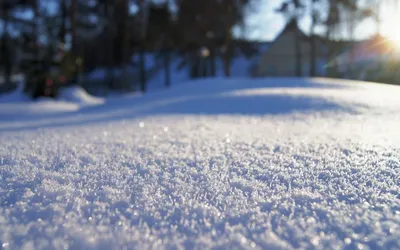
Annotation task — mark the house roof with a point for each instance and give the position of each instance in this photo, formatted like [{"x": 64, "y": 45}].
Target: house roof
[{"x": 292, "y": 25}]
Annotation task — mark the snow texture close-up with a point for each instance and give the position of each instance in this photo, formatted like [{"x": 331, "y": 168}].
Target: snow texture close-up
[{"x": 217, "y": 163}]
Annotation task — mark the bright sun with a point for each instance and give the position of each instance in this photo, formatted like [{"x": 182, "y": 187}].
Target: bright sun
[
  {"x": 390, "y": 28},
  {"x": 393, "y": 37}
]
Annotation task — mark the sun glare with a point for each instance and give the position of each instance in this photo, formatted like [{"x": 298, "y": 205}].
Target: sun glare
[
  {"x": 391, "y": 29},
  {"x": 394, "y": 38}
]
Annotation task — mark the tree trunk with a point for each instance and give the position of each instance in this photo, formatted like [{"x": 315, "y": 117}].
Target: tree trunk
[
  {"x": 5, "y": 48},
  {"x": 227, "y": 57},
  {"x": 313, "y": 57},
  {"x": 125, "y": 55},
  {"x": 298, "y": 56},
  {"x": 204, "y": 68},
  {"x": 228, "y": 42},
  {"x": 298, "y": 60},
  {"x": 167, "y": 59},
  {"x": 64, "y": 14},
  {"x": 213, "y": 61},
  {"x": 36, "y": 26},
  {"x": 167, "y": 44},
  {"x": 194, "y": 66},
  {"x": 73, "y": 26},
  {"x": 142, "y": 58},
  {"x": 227, "y": 67},
  {"x": 31, "y": 85},
  {"x": 142, "y": 65},
  {"x": 313, "y": 49},
  {"x": 108, "y": 44}
]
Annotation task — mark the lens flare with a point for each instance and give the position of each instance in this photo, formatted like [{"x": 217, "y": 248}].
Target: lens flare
[{"x": 391, "y": 30}]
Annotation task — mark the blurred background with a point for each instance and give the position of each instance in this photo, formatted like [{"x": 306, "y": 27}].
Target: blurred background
[{"x": 119, "y": 46}]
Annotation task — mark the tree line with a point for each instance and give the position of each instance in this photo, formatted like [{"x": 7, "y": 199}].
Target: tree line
[{"x": 107, "y": 33}]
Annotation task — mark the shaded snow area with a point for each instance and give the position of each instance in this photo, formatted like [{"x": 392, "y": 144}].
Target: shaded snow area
[
  {"x": 224, "y": 164},
  {"x": 14, "y": 96}
]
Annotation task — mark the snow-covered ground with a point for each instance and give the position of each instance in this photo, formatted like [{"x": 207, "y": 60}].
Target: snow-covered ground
[
  {"x": 232, "y": 164},
  {"x": 18, "y": 106}
]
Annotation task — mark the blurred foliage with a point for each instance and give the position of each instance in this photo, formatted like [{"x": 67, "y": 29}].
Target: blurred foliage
[{"x": 109, "y": 34}]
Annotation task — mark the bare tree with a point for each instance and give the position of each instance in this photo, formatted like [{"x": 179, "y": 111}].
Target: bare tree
[
  {"x": 63, "y": 23},
  {"x": 207, "y": 26},
  {"x": 73, "y": 22},
  {"x": 315, "y": 20},
  {"x": 142, "y": 41}
]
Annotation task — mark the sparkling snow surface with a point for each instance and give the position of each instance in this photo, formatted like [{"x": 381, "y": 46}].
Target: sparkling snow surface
[{"x": 231, "y": 164}]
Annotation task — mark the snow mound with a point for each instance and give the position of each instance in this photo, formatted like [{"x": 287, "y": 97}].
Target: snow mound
[
  {"x": 79, "y": 96},
  {"x": 17, "y": 106}
]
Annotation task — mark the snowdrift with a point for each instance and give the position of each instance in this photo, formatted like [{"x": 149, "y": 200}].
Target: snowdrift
[
  {"x": 17, "y": 106},
  {"x": 78, "y": 96}
]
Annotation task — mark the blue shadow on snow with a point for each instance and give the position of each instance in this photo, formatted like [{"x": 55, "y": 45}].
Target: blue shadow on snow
[{"x": 252, "y": 105}]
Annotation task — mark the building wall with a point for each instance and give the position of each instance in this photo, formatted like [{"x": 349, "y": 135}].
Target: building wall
[{"x": 280, "y": 58}]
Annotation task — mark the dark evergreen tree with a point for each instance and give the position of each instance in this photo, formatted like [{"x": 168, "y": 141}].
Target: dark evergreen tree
[
  {"x": 160, "y": 35},
  {"x": 209, "y": 24}
]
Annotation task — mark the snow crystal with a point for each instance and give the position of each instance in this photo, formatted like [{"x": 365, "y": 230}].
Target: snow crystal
[{"x": 312, "y": 164}]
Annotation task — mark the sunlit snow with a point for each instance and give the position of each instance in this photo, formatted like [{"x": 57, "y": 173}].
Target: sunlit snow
[{"x": 231, "y": 164}]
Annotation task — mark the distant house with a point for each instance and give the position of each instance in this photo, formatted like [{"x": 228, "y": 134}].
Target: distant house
[{"x": 280, "y": 57}]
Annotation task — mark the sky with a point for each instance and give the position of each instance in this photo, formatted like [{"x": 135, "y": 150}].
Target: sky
[{"x": 264, "y": 23}]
